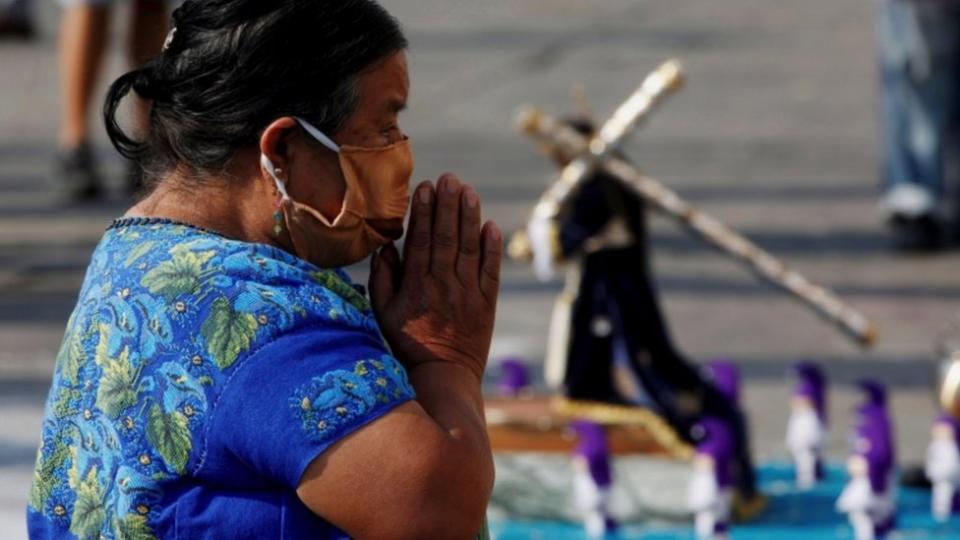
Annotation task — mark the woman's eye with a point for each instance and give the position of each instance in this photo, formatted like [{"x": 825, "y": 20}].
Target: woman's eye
[{"x": 391, "y": 135}]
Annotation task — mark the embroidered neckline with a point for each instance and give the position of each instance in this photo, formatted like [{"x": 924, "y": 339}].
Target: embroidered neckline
[{"x": 140, "y": 221}]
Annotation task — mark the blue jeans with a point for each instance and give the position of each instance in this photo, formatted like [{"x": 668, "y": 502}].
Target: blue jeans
[{"x": 919, "y": 44}]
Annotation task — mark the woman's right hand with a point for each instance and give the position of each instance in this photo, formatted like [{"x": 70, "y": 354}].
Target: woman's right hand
[{"x": 438, "y": 304}]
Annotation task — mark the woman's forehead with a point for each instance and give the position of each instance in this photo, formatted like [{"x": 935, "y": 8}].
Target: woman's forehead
[{"x": 387, "y": 83}]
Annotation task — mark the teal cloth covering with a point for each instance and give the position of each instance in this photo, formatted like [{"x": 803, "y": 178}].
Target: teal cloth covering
[{"x": 791, "y": 515}]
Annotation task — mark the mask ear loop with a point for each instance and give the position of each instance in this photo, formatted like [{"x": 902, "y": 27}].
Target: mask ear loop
[
  {"x": 281, "y": 194},
  {"x": 272, "y": 171},
  {"x": 326, "y": 141},
  {"x": 318, "y": 135}
]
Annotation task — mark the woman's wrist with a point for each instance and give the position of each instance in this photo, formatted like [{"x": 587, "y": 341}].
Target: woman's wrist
[
  {"x": 448, "y": 366},
  {"x": 432, "y": 353},
  {"x": 441, "y": 384}
]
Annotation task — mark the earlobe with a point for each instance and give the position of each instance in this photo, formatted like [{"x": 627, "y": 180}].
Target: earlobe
[{"x": 274, "y": 173}]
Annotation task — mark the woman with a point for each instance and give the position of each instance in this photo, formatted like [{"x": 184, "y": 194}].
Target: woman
[{"x": 220, "y": 377}]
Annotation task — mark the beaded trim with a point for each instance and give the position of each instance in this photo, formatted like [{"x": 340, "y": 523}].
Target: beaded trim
[{"x": 137, "y": 221}]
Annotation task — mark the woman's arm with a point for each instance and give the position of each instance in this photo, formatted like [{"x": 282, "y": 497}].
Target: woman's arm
[
  {"x": 424, "y": 470},
  {"x": 404, "y": 476}
]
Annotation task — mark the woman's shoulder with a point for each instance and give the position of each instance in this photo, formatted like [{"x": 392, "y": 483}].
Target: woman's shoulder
[
  {"x": 169, "y": 287},
  {"x": 187, "y": 267}
]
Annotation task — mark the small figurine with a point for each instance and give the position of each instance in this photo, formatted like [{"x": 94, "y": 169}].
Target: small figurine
[
  {"x": 592, "y": 479},
  {"x": 943, "y": 466},
  {"x": 869, "y": 497},
  {"x": 725, "y": 377},
  {"x": 710, "y": 493},
  {"x": 807, "y": 428},
  {"x": 514, "y": 378}
]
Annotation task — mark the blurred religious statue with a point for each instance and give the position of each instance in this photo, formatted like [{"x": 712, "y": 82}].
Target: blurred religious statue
[{"x": 608, "y": 342}]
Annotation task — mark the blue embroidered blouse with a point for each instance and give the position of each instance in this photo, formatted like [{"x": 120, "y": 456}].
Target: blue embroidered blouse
[{"x": 197, "y": 379}]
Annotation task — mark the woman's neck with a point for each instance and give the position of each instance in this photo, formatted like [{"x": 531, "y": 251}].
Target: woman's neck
[{"x": 236, "y": 207}]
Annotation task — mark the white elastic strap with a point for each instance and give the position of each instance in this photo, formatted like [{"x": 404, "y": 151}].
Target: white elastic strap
[
  {"x": 318, "y": 135},
  {"x": 268, "y": 165}
]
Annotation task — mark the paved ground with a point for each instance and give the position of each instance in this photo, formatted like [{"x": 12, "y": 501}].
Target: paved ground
[{"x": 774, "y": 134}]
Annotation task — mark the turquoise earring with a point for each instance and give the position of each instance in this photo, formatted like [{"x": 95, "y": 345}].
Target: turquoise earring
[{"x": 278, "y": 211}]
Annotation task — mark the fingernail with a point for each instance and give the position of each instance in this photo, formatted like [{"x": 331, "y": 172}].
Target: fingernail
[
  {"x": 494, "y": 232},
  {"x": 471, "y": 198},
  {"x": 424, "y": 195},
  {"x": 451, "y": 185}
]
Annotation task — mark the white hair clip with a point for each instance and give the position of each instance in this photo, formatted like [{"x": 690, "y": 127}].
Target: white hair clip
[{"x": 169, "y": 40}]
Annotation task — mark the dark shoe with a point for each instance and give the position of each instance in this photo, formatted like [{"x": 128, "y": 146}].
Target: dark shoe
[
  {"x": 16, "y": 27},
  {"x": 77, "y": 174},
  {"x": 916, "y": 234}
]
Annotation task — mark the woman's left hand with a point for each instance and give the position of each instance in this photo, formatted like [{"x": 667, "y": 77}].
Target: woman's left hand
[{"x": 439, "y": 303}]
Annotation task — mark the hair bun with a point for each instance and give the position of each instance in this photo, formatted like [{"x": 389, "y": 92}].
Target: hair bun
[{"x": 145, "y": 84}]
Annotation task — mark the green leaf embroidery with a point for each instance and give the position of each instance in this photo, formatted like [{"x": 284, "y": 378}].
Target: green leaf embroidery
[
  {"x": 42, "y": 485},
  {"x": 73, "y": 474},
  {"x": 169, "y": 434},
  {"x": 101, "y": 353},
  {"x": 62, "y": 406},
  {"x": 138, "y": 252},
  {"x": 132, "y": 527},
  {"x": 332, "y": 282},
  {"x": 44, "y": 477},
  {"x": 88, "y": 512},
  {"x": 117, "y": 389},
  {"x": 228, "y": 332},
  {"x": 72, "y": 357},
  {"x": 179, "y": 275}
]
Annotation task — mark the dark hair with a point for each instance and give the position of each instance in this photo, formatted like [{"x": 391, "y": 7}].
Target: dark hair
[{"x": 233, "y": 66}]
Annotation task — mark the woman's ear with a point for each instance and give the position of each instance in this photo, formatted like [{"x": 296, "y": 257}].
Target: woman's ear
[{"x": 274, "y": 144}]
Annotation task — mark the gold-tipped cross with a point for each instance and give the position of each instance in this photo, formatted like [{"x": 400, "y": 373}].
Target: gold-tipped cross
[{"x": 598, "y": 150}]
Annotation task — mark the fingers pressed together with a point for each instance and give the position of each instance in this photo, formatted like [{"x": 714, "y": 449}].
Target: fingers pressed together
[{"x": 445, "y": 238}]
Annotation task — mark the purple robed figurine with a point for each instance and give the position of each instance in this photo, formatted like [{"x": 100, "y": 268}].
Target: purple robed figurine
[
  {"x": 807, "y": 427},
  {"x": 876, "y": 427},
  {"x": 725, "y": 377},
  {"x": 869, "y": 497},
  {"x": 943, "y": 466},
  {"x": 514, "y": 377},
  {"x": 592, "y": 477},
  {"x": 710, "y": 492}
]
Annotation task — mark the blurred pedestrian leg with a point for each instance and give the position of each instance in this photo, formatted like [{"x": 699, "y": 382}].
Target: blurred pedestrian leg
[
  {"x": 919, "y": 46},
  {"x": 84, "y": 34},
  {"x": 16, "y": 20}
]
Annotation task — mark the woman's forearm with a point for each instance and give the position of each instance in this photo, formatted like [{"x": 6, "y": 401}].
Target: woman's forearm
[{"x": 451, "y": 395}]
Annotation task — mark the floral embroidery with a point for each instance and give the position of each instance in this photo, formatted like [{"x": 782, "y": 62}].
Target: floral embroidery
[
  {"x": 166, "y": 313},
  {"x": 329, "y": 404}
]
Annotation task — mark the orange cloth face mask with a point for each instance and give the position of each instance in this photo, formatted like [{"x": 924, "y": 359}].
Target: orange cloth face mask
[{"x": 377, "y": 188}]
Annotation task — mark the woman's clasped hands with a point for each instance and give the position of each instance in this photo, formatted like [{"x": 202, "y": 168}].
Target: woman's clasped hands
[{"x": 438, "y": 303}]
